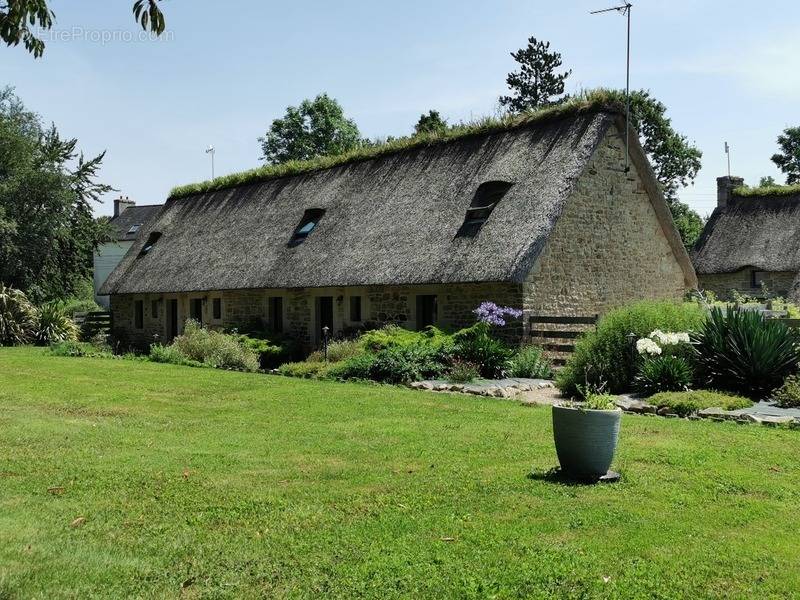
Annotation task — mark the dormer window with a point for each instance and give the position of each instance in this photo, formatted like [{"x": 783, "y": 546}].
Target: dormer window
[
  {"x": 151, "y": 241},
  {"x": 486, "y": 198},
  {"x": 307, "y": 224}
]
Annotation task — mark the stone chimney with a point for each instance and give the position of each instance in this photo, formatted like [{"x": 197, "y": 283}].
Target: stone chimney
[
  {"x": 725, "y": 187},
  {"x": 120, "y": 204}
]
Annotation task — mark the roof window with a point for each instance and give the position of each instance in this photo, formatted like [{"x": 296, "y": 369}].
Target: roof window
[
  {"x": 134, "y": 228},
  {"x": 307, "y": 224},
  {"x": 151, "y": 241},
  {"x": 486, "y": 198}
]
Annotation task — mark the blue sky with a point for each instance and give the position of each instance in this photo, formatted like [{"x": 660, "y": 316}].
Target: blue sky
[{"x": 727, "y": 70}]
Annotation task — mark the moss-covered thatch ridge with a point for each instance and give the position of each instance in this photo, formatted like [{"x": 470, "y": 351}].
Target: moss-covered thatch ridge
[
  {"x": 599, "y": 99},
  {"x": 767, "y": 190}
]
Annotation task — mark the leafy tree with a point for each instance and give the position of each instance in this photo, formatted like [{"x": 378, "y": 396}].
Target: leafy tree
[
  {"x": 688, "y": 223},
  {"x": 675, "y": 160},
  {"x": 47, "y": 188},
  {"x": 17, "y": 17},
  {"x": 788, "y": 159},
  {"x": 536, "y": 83},
  {"x": 431, "y": 123},
  {"x": 767, "y": 181},
  {"x": 315, "y": 128}
]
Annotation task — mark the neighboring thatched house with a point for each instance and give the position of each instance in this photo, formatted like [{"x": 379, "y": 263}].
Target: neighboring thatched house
[
  {"x": 751, "y": 243},
  {"x": 126, "y": 223},
  {"x": 537, "y": 213}
]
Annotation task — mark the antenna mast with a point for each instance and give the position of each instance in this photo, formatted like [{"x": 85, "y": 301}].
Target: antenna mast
[
  {"x": 728, "y": 154},
  {"x": 625, "y": 10},
  {"x": 210, "y": 150}
]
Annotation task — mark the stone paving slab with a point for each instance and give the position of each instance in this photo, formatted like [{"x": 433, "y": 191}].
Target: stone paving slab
[
  {"x": 764, "y": 412},
  {"x": 542, "y": 392},
  {"x": 497, "y": 388}
]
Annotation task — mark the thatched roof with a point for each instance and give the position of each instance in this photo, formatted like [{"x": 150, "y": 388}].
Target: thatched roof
[
  {"x": 131, "y": 221},
  {"x": 762, "y": 232},
  {"x": 591, "y": 100},
  {"x": 391, "y": 219}
]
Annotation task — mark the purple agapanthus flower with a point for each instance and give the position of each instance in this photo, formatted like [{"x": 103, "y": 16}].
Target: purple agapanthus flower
[{"x": 489, "y": 312}]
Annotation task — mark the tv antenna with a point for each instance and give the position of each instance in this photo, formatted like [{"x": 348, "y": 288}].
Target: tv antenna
[
  {"x": 728, "y": 154},
  {"x": 624, "y": 10},
  {"x": 210, "y": 150}
]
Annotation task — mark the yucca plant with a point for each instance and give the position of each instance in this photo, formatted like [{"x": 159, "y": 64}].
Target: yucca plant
[
  {"x": 17, "y": 317},
  {"x": 54, "y": 325},
  {"x": 663, "y": 374},
  {"x": 741, "y": 351}
]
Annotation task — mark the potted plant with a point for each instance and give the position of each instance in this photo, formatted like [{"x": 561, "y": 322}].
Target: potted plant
[{"x": 586, "y": 437}]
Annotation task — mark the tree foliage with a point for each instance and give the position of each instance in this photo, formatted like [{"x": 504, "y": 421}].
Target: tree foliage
[
  {"x": 19, "y": 17},
  {"x": 47, "y": 189},
  {"x": 675, "y": 160},
  {"x": 788, "y": 159},
  {"x": 688, "y": 223},
  {"x": 536, "y": 83},
  {"x": 431, "y": 123},
  {"x": 315, "y": 128},
  {"x": 767, "y": 181}
]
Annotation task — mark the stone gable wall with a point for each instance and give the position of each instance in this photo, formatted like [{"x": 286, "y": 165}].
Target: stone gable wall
[
  {"x": 608, "y": 248},
  {"x": 379, "y": 305}
]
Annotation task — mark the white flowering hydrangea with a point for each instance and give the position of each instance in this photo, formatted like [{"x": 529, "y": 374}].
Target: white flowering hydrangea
[
  {"x": 668, "y": 338},
  {"x": 648, "y": 346},
  {"x": 657, "y": 340}
]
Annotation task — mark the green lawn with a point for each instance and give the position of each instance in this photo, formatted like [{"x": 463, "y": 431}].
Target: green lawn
[{"x": 204, "y": 483}]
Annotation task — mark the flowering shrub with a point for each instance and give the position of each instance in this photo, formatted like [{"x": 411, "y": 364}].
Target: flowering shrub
[
  {"x": 664, "y": 368},
  {"x": 669, "y": 338},
  {"x": 605, "y": 354},
  {"x": 648, "y": 346},
  {"x": 492, "y": 314},
  {"x": 658, "y": 341}
]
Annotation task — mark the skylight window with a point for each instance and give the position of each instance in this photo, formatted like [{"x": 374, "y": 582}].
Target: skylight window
[
  {"x": 134, "y": 229},
  {"x": 151, "y": 241},
  {"x": 486, "y": 198},
  {"x": 307, "y": 224}
]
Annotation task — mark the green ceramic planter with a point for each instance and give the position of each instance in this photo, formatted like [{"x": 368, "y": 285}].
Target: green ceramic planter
[{"x": 585, "y": 440}]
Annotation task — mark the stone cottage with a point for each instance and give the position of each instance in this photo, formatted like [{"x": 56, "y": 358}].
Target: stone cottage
[
  {"x": 540, "y": 213},
  {"x": 751, "y": 243}
]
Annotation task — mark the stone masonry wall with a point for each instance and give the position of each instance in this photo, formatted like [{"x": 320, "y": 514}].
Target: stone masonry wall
[
  {"x": 722, "y": 284},
  {"x": 608, "y": 248},
  {"x": 379, "y": 305},
  {"x": 122, "y": 310}
]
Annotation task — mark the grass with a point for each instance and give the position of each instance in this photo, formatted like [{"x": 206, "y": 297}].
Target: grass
[
  {"x": 767, "y": 190},
  {"x": 589, "y": 100},
  {"x": 206, "y": 483}
]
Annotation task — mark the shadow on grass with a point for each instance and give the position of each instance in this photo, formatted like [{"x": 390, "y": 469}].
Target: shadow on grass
[{"x": 556, "y": 475}]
